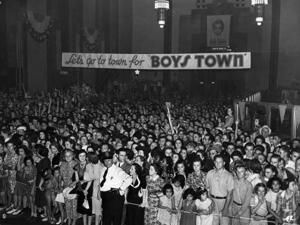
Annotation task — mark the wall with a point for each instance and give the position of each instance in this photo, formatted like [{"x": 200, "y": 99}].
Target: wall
[{"x": 289, "y": 45}]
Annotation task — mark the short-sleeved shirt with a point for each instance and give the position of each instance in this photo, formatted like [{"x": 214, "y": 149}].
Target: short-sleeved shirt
[
  {"x": 219, "y": 182},
  {"x": 242, "y": 191},
  {"x": 263, "y": 210},
  {"x": 271, "y": 197}
]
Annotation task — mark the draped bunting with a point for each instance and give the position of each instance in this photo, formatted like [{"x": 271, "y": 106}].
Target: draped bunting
[
  {"x": 296, "y": 115},
  {"x": 91, "y": 39},
  {"x": 39, "y": 26},
  {"x": 242, "y": 106},
  {"x": 282, "y": 109}
]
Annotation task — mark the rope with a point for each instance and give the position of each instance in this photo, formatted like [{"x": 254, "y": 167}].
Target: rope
[{"x": 214, "y": 214}]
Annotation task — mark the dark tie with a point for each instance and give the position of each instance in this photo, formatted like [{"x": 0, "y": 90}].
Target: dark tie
[{"x": 104, "y": 178}]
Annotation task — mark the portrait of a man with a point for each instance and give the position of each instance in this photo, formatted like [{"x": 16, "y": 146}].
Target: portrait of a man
[{"x": 218, "y": 29}]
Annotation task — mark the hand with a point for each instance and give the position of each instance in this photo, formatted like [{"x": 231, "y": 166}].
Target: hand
[{"x": 41, "y": 189}]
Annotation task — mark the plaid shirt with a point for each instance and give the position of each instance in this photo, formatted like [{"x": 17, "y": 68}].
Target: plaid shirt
[{"x": 287, "y": 207}]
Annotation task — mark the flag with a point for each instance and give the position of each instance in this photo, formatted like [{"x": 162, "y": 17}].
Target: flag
[{"x": 282, "y": 109}]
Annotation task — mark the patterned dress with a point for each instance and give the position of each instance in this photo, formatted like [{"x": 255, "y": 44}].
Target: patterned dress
[
  {"x": 67, "y": 171},
  {"x": 11, "y": 161},
  {"x": 196, "y": 181},
  {"x": 188, "y": 218},
  {"x": 154, "y": 188}
]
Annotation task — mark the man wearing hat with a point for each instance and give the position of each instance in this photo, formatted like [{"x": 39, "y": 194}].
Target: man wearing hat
[{"x": 113, "y": 184}]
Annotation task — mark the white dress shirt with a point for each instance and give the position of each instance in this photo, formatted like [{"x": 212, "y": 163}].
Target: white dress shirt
[{"x": 116, "y": 178}]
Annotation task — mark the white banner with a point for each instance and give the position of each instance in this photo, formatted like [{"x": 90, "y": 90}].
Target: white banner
[{"x": 205, "y": 61}]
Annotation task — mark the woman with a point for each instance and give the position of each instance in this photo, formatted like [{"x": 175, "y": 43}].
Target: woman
[
  {"x": 196, "y": 179},
  {"x": 67, "y": 171},
  {"x": 175, "y": 158},
  {"x": 84, "y": 191},
  {"x": 134, "y": 213},
  {"x": 141, "y": 161},
  {"x": 42, "y": 166},
  {"x": 10, "y": 164},
  {"x": 55, "y": 154},
  {"x": 154, "y": 191},
  {"x": 92, "y": 173},
  {"x": 178, "y": 146}
]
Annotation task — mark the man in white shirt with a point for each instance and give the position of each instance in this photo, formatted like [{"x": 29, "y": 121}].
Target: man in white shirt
[{"x": 113, "y": 184}]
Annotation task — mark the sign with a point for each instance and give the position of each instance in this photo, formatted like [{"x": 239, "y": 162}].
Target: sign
[
  {"x": 205, "y": 61},
  {"x": 218, "y": 30}
]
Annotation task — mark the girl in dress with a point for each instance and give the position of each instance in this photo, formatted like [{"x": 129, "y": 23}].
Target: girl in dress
[
  {"x": 167, "y": 208},
  {"x": 259, "y": 206},
  {"x": 189, "y": 207},
  {"x": 178, "y": 184},
  {"x": 205, "y": 207}
]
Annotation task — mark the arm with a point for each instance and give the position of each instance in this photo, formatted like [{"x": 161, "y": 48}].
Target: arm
[
  {"x": 228, "y": 200},
  {"x": 41, "y": 183},
  {"x": 273, "y": 213},
  {"x": 254, "y": 207},
  {"x": 85, "y": 191}
]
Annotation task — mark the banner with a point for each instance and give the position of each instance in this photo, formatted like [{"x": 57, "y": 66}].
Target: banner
[
  {"x": 205, "y": 61},
  {"x": 282, "y": 109},
  {"x": 218, "y": 30},
  {"x": 296, "y": 121},
  {"x": 242, "y": 106}
]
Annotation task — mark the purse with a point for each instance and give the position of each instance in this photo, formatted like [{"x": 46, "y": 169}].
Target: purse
[
  {"x": 86, "y": 204},
  {"x": 60, "y": 198}
]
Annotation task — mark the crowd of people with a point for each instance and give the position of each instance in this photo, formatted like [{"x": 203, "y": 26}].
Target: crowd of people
[{"x": 65, "y": 158}]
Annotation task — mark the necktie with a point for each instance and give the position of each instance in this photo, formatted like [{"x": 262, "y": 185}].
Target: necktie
[{"x": 104, "y": 178}]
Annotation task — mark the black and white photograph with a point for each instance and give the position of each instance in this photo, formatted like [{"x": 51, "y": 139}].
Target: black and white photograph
[{"x": 149, "y": 112}]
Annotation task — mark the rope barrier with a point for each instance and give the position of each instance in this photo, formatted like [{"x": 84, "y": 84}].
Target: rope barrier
[{"x": 214, "y": 214}]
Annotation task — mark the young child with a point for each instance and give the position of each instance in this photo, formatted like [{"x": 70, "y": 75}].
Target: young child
[
  {"x": 259, "y": 207},
  {"x": 274, "y": 185},
  {"x": 205, "y": 207},
  {"x": 167, "y": 209},
  {"x": 178, "y": 184},
  {"x": 3, "y": 183},
  {"x": 188, "y": 205}
]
